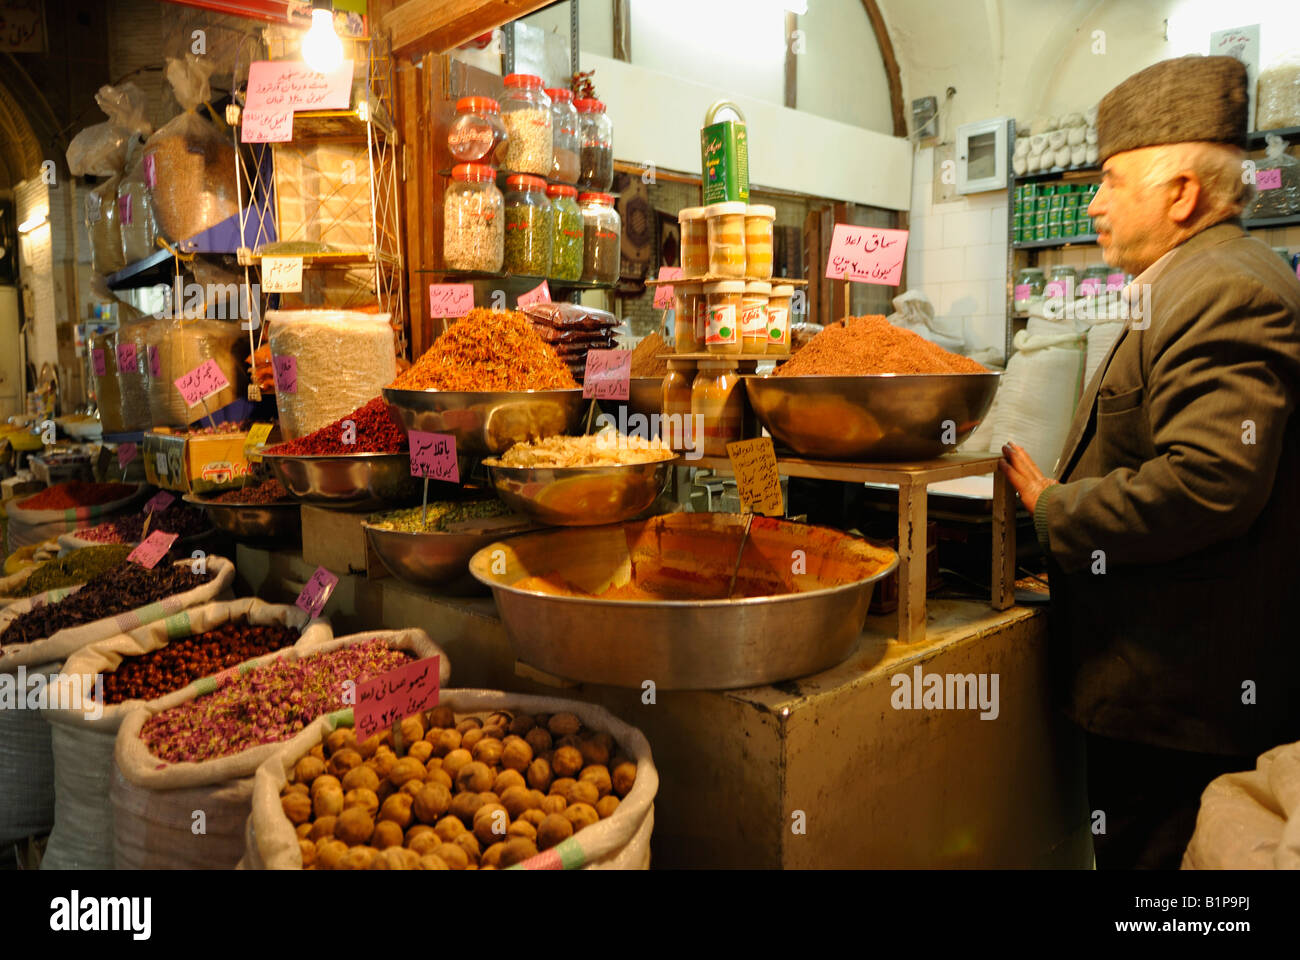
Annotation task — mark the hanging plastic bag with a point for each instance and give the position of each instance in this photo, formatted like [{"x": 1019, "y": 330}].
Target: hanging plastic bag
[
  {"x": 189, "y": 166},
  {"x": 1277, "y": 95},
  {"x": 137, "y": 222},
  {"x": 1277, "y": 181},
  {"x": 100, "y": 150}
]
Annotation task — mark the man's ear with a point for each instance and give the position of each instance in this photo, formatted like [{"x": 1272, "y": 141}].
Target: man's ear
[{"x": 1186, "y": 191}]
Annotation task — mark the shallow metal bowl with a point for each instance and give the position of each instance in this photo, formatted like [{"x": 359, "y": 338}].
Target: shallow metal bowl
[
  {"x": 645, "y": 396},
  {"x": 489, "y": 422},
  {"x": 581, "y": 496},
  {"x": 679, "y": 644},
  {"x": 354, "y": 481},
  {"x": 279, "y": 522},
  {"x": 879, "y": 417},
  {"x": 432, "y": 559}
]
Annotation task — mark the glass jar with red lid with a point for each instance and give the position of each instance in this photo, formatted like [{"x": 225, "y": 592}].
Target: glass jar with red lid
[
  {"x": 526, "y": 111},
  {"x": 595, "y": 146},
  {"x": 473, "y": 225},
  {"x": 530, "y": 226},
  {"x": 566, "y": 247},
  {"x": 476, "y": 131},
  {"x": 602, "y": 231},
  {"x": 564, "y": 165}
]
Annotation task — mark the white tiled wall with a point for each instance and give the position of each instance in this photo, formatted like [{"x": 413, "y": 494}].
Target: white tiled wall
[{"x": 957, "y": 256}]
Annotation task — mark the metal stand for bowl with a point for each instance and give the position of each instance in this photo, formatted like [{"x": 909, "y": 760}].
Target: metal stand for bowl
[{"x": 912, "y": 479}]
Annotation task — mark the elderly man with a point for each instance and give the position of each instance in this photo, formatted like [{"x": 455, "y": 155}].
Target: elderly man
[{"x": 1172, "y": 525}]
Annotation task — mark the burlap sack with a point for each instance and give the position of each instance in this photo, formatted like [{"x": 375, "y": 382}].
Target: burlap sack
[
  {"x": 1251, "y": 820},
  {"x": 26, "y": 767},
  {"x": 193, "y": 815},
  {"x": 621, "y": 842},
  {"x": 83, "y": 733}
]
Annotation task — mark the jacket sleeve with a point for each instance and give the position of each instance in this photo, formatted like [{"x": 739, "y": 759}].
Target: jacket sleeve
[{"x": 1220, "y": 391}]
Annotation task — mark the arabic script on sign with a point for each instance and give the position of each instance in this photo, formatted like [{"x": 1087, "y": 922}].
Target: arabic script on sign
[
  {"x": 664, "y": 292},
  {"x": 286, "y": 374},
  {"x": 757, "y": 479},
  {"x": 281, "y": 274},
  {"x": 395, "y": 695},
  {"x": 202, "y": 382},
  {"x": 607, "y": 375},
  {"x": 255, "y": 440},
  {"x": 866, "y": 254},
  {"x": 126, "y": 358},
  {"x": 317, "y": 592},
  {"x": 125, "y": 453},
  {"x": 450, "y": 299},
  {"x": 539, "y": 294},
  {"x": 153, "y": 549},
  {"x": 97, "y": 361},
  {"x": 433, "y": 456},
  {"x": 159, "y": 501}
]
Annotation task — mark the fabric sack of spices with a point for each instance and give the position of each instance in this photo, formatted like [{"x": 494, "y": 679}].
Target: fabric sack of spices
[
  {"x": 1250, "y": 820},
  {"x": 620, "y": 842},
  {"x": 154, "y": 800},
  {"x": 26, "y": 763},
  {"x": 1037, "y": 395},
  {"x": 31, "y": 521},
  {"x": 67, "y": 571},
  {"x": 83, "y": 725}
]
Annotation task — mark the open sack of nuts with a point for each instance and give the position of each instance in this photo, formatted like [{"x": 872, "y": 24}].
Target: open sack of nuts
[
  {"x": 189, "y": 760},
  {"x": 153, "y": 665},
  {"x": 485, "y": 780},
  {"x": 38, "y": 633}
]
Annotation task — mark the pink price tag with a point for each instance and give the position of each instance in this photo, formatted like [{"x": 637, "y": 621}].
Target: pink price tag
[
  {"x": 1090, "y": 286},
  {"x": 159, "y": 501},
  {"x": 539, "y": 294},
  {"x": 201, "y": 382},
  {"x": 1023, "y": 291},
  {"x": 433, "y": 456},
  {"x": 153, "y": 549},
  {"x": 450, "y": 299},
  {"x": 155, "y": 363},
  {"x": 286, "y": 374},
  {"x": 124, "y": 209},
  {"x": 1269, "y": 179},
  {"x": 1055, "y": 289},
  {"x": 293, "y": 85},
  {"x": 317, "y": 592},
  {"x": 607, "y": 375},
  {"x": 150, "y": 171},
  {"x": 395, "y": 695},
  {"x": 126, "y": 453},
  {"x": 266, "y": 125},
  {"x": 126, "y": 358},
  {"x": 866, "y": 254},
  {"x": 98, "y": 363},
  {"x": 664, "y": 292},
  {"x": 1114, "y": 281}
]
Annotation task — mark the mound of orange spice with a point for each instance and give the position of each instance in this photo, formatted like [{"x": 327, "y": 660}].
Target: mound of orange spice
[
  {"x": 488, "y": 350},
  {"x": 859, "y": 346}
]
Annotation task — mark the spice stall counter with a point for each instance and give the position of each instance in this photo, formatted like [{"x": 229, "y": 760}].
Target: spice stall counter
[{"x": 865, "y": 764}]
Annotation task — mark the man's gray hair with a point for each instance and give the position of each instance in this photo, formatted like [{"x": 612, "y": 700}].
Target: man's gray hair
[{"x": 1226, "y": 190}]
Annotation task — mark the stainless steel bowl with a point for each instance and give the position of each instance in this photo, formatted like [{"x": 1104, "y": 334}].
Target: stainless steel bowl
[
  {"x": 680, "y": 645},
  {"x": 491, "y": 422},
  {"x": 432, "y": 559},
  {"x": 280, "y": 522},
  {"x": 354, "y": 481},
  {"x": 581, "y": 496},
  {"x": 880, "y": 417}
]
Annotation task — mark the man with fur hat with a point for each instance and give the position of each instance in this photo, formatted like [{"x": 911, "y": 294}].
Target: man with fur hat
[{"x": 1172, "y": 523}]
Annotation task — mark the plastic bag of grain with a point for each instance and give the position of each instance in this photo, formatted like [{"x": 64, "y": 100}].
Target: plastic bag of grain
[
  {"x": 178, "y": 346},
  {"x": 189, "y": 166},
  {"x": 100, "y": 150},
  {"x": 103, "y": 228},
  {"x": 343, "y": 359},
  {"x": 1277, "y": 181},
  {"x": 1277, "y": 94},
  {"x": 83, "y": 730},
  {"x": 192, "y": 814},
  {"x": 620, "y": 840},
  {"x": 1250, "y": 820},
  {"x": 136, "y": 219}
]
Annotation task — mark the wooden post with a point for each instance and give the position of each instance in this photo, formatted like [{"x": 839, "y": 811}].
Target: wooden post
[
  {"x": 1003, "y": 570},
  {"x": 912, "y": 546}
]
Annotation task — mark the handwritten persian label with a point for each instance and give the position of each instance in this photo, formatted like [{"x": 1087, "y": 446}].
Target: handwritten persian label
[
  {"x": 152, "y": 549},
  {"x": 1114, "y": 281},
  {"x": 1269, "y": 179},
  {"x": 607, "y": 375},
  {"x": 255, "y": 440},
  {"x": 539, "y": 294},
  {"x": 293, "y": 85},
  {"x": 202, "y": 382},
  {"x": 281, "y": 274},
  {"x": 664, "y": 292},
  {"x": 1023, "y": 291},
  {"x": 450, "y": 299},
  {"x": 159, "y": 501},
  {"x": 126, "y": 358},
  {"x": 1055, "y": 289},
  {"x": 263, "y": 125},
  {"x": 395, "y": 695},
  {"x": 317, "y": 592},
  {"x": 866, "y": 254},
  {"x": 126, "y": 453},
  {"x": 757, "y": 479},
  {"x": 433, "y": 456},
  {"x": 286, "y": 374},
  {"x": 98, "y": 363},
  {"x": 155, "y": 363}
]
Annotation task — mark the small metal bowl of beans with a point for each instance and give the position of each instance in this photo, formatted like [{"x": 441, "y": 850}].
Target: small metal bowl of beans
[{"x": 353, "y": 481}]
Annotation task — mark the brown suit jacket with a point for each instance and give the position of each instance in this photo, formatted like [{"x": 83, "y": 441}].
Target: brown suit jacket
[{"x": 1173, "y": 534}]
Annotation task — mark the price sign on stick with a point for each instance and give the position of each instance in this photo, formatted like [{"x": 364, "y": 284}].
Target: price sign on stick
[
  {"x": 281, "y": 274},
  {"x": 126, "y": 358},
  {"x": 152, "y": 549},
  {"x": 607, "y": 375},
  {"x": 159, "y": 501},
  {"x": 759, "y": 484},
  {"x": 255, "y": 440},
  {"x": 539, "y": 294},
  {"x": 450, "y": 299},
  {"x": 317, "y": 592},
  {"x": 866, "y": 254},
  {"x": 286, "y": 374},
  {"x": 433, "y": 456},
  {"x": 392, "y": 696},
  {"x": 202, "y": 382},
  {"x": 125, "y": 453},
  {"x": 664, "y": 292}
]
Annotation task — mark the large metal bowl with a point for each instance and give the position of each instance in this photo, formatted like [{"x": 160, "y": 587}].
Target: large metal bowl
[
  {"x": 680, "y": 645},
  {"x": 277, "y": 522},
  {"x": 354, "y": 481},
  {"x": 491, "y": 422},
  {"x": 880, "y": 417},
  {"x": 581, "y": 496},
  {"x": 432, "y": 559}
]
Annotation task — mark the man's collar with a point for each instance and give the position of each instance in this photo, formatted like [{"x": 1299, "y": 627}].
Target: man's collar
[{"x": 1220, "y": 232}]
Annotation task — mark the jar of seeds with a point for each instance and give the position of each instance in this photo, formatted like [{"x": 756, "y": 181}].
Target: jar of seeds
[
  {"x": 526, "y": 111},
  {"x": 530, "y": 225},
  {"x": 566, "y": 248},
  {"x": 473, "y": 230}
]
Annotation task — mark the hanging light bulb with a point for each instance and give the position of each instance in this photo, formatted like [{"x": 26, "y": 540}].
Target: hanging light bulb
[{"x": 321, "y": 48}]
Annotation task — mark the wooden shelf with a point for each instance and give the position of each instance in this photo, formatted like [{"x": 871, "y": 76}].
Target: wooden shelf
[
  {"x": 1255, "y": 139},
  {"x": 1267, "y": 222},
  {"x": 435, "y": 26},
  {"x": 1086, "y": 239},
  {"x": 1060, "y": 173},
  {"x": 321, "y": 259}
]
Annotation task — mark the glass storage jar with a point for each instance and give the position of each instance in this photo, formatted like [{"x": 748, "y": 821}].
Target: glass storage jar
[
  {"x": 695, "y": 241},
  {"x": 595, "y": 146},
  {"x": 778, "y": 318},
  {"x": 602, "y": 231},
  {"x": 726, "y": 231},
  {"x": 760, "y": 220},
  {"x": 1093, "y": 283},
  {"x": 688, "y": 311},
  {"x": 722, "y": 333},
  {"x": 718, "y": 403},
  {"x": 1062, "y": 282},
  {"x": 1030, "y": 283},
  {"x": 753, "y": 316},
  {"x": 529, "y": 226},
  {"x": 476, "y": 131},
  {"x": 566, "y": 245},
  {"x": 564, "y": 139},
  {"x": 526, "y": 111},
  {"x": 473, "y": 227},
  {"x": 675, "y": 405}
]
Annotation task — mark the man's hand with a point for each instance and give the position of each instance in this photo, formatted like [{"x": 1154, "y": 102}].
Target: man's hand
[{"x": 1023, "y": 474}]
